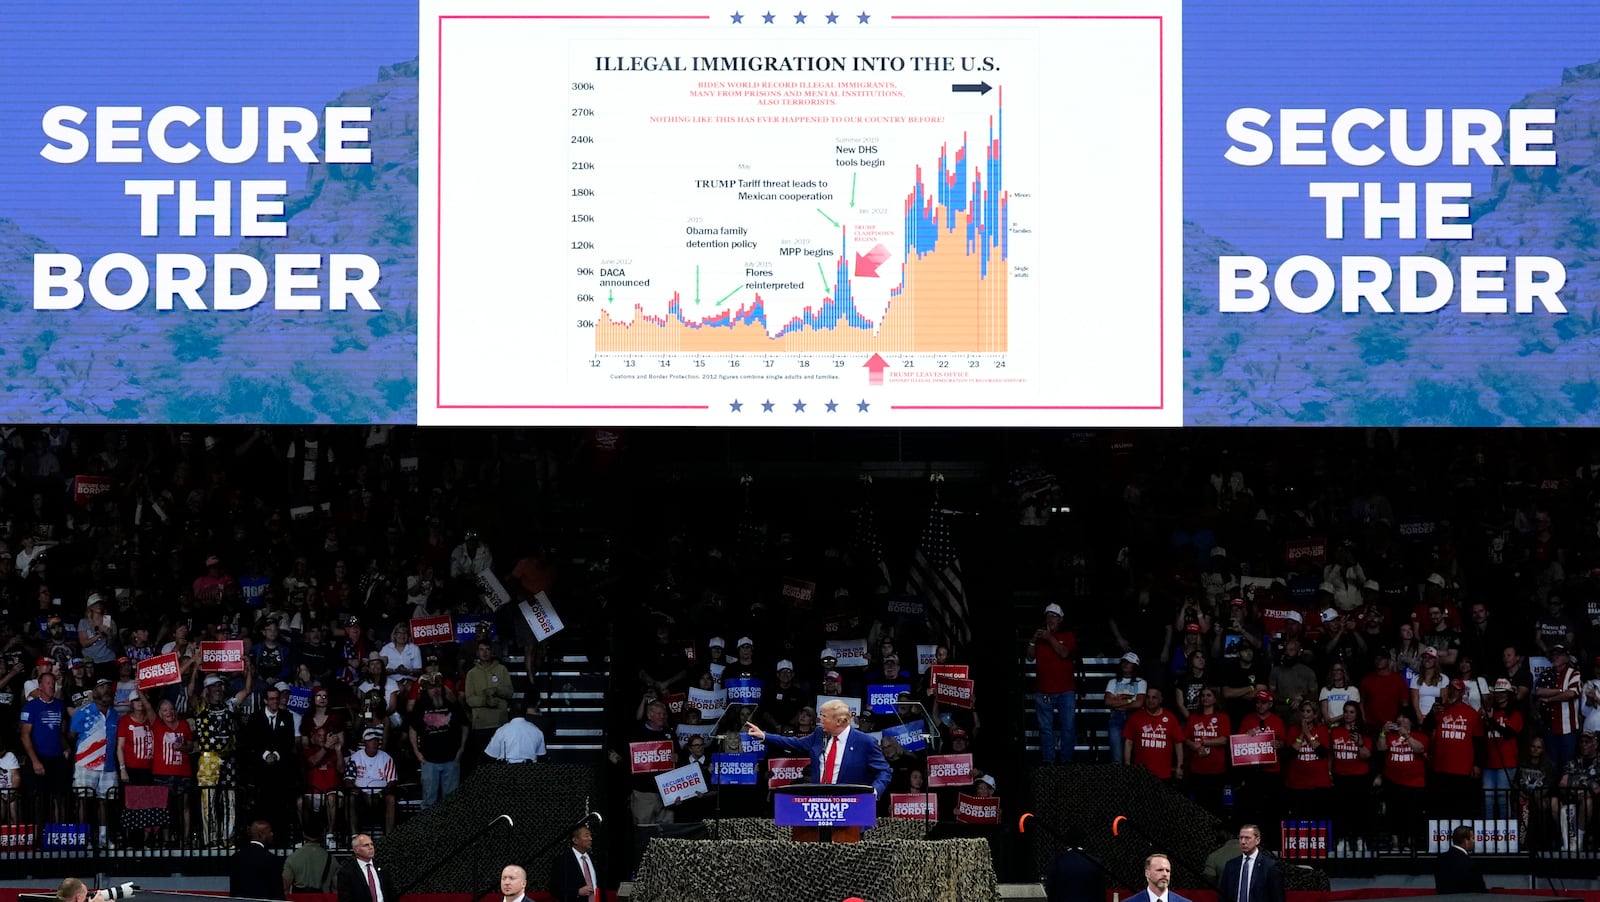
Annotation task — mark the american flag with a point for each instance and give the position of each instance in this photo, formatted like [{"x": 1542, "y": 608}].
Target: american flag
[
  {"x": 867, "y": 545},
  {"x": 936, "y": 577}
]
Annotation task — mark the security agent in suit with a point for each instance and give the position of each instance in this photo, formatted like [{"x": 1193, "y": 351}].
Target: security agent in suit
[
  {"x": 1157, "y": 879},
  {"x": 1253, "y": 876},
  {"x": 568, "y": 883},
  {"x": 255, "y": 872},
  {"x": 859, "y": 760},
  {"x": 1456, "y": 871},
  {"x": 353, "y": 883}
]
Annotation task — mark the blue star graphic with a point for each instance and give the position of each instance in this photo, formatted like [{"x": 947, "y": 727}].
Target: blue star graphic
[
  {"x": 766, "y": 406},
  {"x": 799, "y": 18},
  {"x": 737, "y": 18},
  {"x": 833, "y": 406},
  {"x": 863, "y": 18},
  {"x": 863, "y": 406},
  {"x": 799, "y": 407},
  {"x": 833, "y": 18},
  {"x": 767, "y": 18},
  {"x": 736, "y": 406}
]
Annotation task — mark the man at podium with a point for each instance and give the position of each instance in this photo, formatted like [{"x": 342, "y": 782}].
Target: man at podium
[{"x": 838, "y": 753}]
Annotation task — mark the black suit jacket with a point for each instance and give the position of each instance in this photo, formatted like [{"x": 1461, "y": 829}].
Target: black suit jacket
[
  {"x": 1266, "y": 881},
  {"x": 1456, "y": 872},
  {"x": 352, "y": 884},
  {"x": 259, "y": 738},
  {"x": 255, "y": 873},
  {"x": 566, "y": 877}
]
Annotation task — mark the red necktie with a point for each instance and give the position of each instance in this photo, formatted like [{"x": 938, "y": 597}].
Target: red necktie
[
  {"x": 372, "y": 882},
  {"x": 833, "y": 757},
  {"x": 588, "y": 876}
]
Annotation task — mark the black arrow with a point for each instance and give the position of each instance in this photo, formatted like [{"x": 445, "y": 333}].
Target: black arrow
[{"x": 982, "y": 88}]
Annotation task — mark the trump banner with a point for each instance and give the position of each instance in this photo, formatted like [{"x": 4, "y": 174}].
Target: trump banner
[
  {"x": 681, "y": 784},
  {"x": 911, "y": 736},
  {"x": 541, "y": 616},
  {"x": 743, "y": 690},
  {"x": 736, "y": 769},
  {"x": 921, "y": 806},
  {"x": 881, "y": 697},
  {"x": 473, "y": 627},
  {"x": 938, "y": 672},
  {"x": 799, "y": 592},
  {"x": 87, "y": 488},
  {"x": 975, "y": 810},
  {"x": 1252, "y": 749},
  {"x": 954, "y": 691},
  {"x": 784, "y": 771},
  {"x": 432, "y": 630},
  {"x": 299, "y": 699},
  {"x": 925, "y": 656},
  {"x": 848, "y": 652},
  {"x": 222, "y": 657},
  {"x": 653, "y": 757},
  {"x": 949, "y": 770},
  {"x": 709, "y": 702},
  {"x": 161, "y": 670},
  {"x": 675, "y": 702}
]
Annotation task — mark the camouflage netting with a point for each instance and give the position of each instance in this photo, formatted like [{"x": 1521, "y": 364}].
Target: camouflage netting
[
  {"x": 888, "y": 828},
  {"x": 742, "y": 870},
  {"x": 1089, "y": 796},
  {"x": 543, "y": 800}
]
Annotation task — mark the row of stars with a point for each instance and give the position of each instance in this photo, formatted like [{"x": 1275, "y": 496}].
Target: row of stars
[
  {"x": 800, "y": 18},
  {"x": 737, "y": 406}
]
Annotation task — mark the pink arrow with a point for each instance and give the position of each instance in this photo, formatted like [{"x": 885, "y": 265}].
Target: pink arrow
[
  {"x": 875, "y": 367},
  {"x": 868, "y": 266}
]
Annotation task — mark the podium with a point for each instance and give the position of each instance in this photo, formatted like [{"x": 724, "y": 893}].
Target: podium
[{"x": 825, "y": 812}]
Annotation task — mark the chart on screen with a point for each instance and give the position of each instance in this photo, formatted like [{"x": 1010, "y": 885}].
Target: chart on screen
[{"x": 918, "y": 214}]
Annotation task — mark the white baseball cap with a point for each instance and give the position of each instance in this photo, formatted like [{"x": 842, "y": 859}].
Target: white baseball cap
[
  {"x": 1055, "y": 609},
  {"x": 716, "y": 642},
  {"x": 786, "y": 664},
  {"x": 1131, "y": 658},
  {"x": 746, "y": 640}
]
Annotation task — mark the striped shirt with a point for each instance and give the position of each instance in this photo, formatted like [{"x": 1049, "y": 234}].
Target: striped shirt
[
  {"x": 94, "y": 731},
  {"x": 371, "y": 772},
  {"x": 1564, "y": 717}
]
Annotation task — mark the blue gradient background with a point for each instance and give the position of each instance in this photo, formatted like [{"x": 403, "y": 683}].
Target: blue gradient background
[
  {"x": 1445, "y": 368},
  {"x": 251, "y": 366}
]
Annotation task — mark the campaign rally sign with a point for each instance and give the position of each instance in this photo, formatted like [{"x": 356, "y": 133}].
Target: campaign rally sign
[
  {"x": 925, "y": 656},
  {"x": 472, "y": 627},
  {"x": 905, "y": 606},
  {"x": 743, "y": 690},
  {"x": 253, "y": 589},
  {"x": 949, "y": 770},
  {"x": 921, "y": 806},
  {"x": 736, "y": 769},
  {"x": 909, "y": 735},
  {"x": 653, "y": 757},
  {"x": 882, "y": 697},
  {"x": 709, "y": 702},
  {"x": 854, "y": 704},
  {"x": 680, "y": 784},
  {"x": 716, "y": 670},
  {"x": 784, "y": 771},
  {"x": 1256, "y": 749},
  {"x": 223, "y": 657},
  {"x": 492, "y": 591},
  {"x": 675, "y": 702},
  {"x": 161, "y": 670},
  {"x": 974, "y": 810},
  {"x": 799, "y": 592},
  {"x": 849, "y": 652},
  {"x": 825, "y": 811},
  {"x": 685, "y": 730},
  {"x": 938, "y": 671},
  {"x": 751, "y": 745},
  {"x": 954, "y": 691},
  {"x": 1301, "y": 553},
  {"x": 299, "y": 699},
  {"x": 541, "y": 616},
  {"x": 432, "y": 630},
  {"x": 841, "y": 625},
  {"x": 87, "y": 488}
]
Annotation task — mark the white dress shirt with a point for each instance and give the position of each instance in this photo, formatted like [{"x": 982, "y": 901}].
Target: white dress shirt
[
  {"x": 584, "y": 859},
  {"x": 376, "y": 881},
  {"x": 517, "y": 741}
]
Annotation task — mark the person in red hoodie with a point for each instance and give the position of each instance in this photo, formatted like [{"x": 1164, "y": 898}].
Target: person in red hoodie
[
  {"x": 1207, "y": 750},
  {"x": 1352, "y": 781},
  {"x": 1456, "y": 732},
  {"x": 1262, "y": 800},
  {"x": 1404, "y": 778},
  {"x": 1308, "y": 776}
]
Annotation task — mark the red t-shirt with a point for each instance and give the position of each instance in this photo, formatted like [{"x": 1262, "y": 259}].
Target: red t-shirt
[
  {"x": 324, "y": 777},
  {"x": 1454, "y": 730},
  {"x": 1307, "y": 769},
  {"x": 1208, "y": 761},
  {"x": 1383, "y": 695},
  {"x": 170, "y": 758},
  {"x": 1347, "y": 746},
  {"x": 1056, "y": 674},
  {"x": 138, "y": 743},
  {"x": 1153, "y": 736},
  {"x": 1502, "y": 751},
  {"x": 1271, "y": 723},
  {"x": 1404, "y": 766}
]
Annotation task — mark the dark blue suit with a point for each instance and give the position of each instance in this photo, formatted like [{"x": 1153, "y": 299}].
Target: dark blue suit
[{"x": 860, "y": 761}]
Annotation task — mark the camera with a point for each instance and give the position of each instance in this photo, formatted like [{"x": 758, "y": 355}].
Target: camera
[{"x": 121, "y": 891}]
